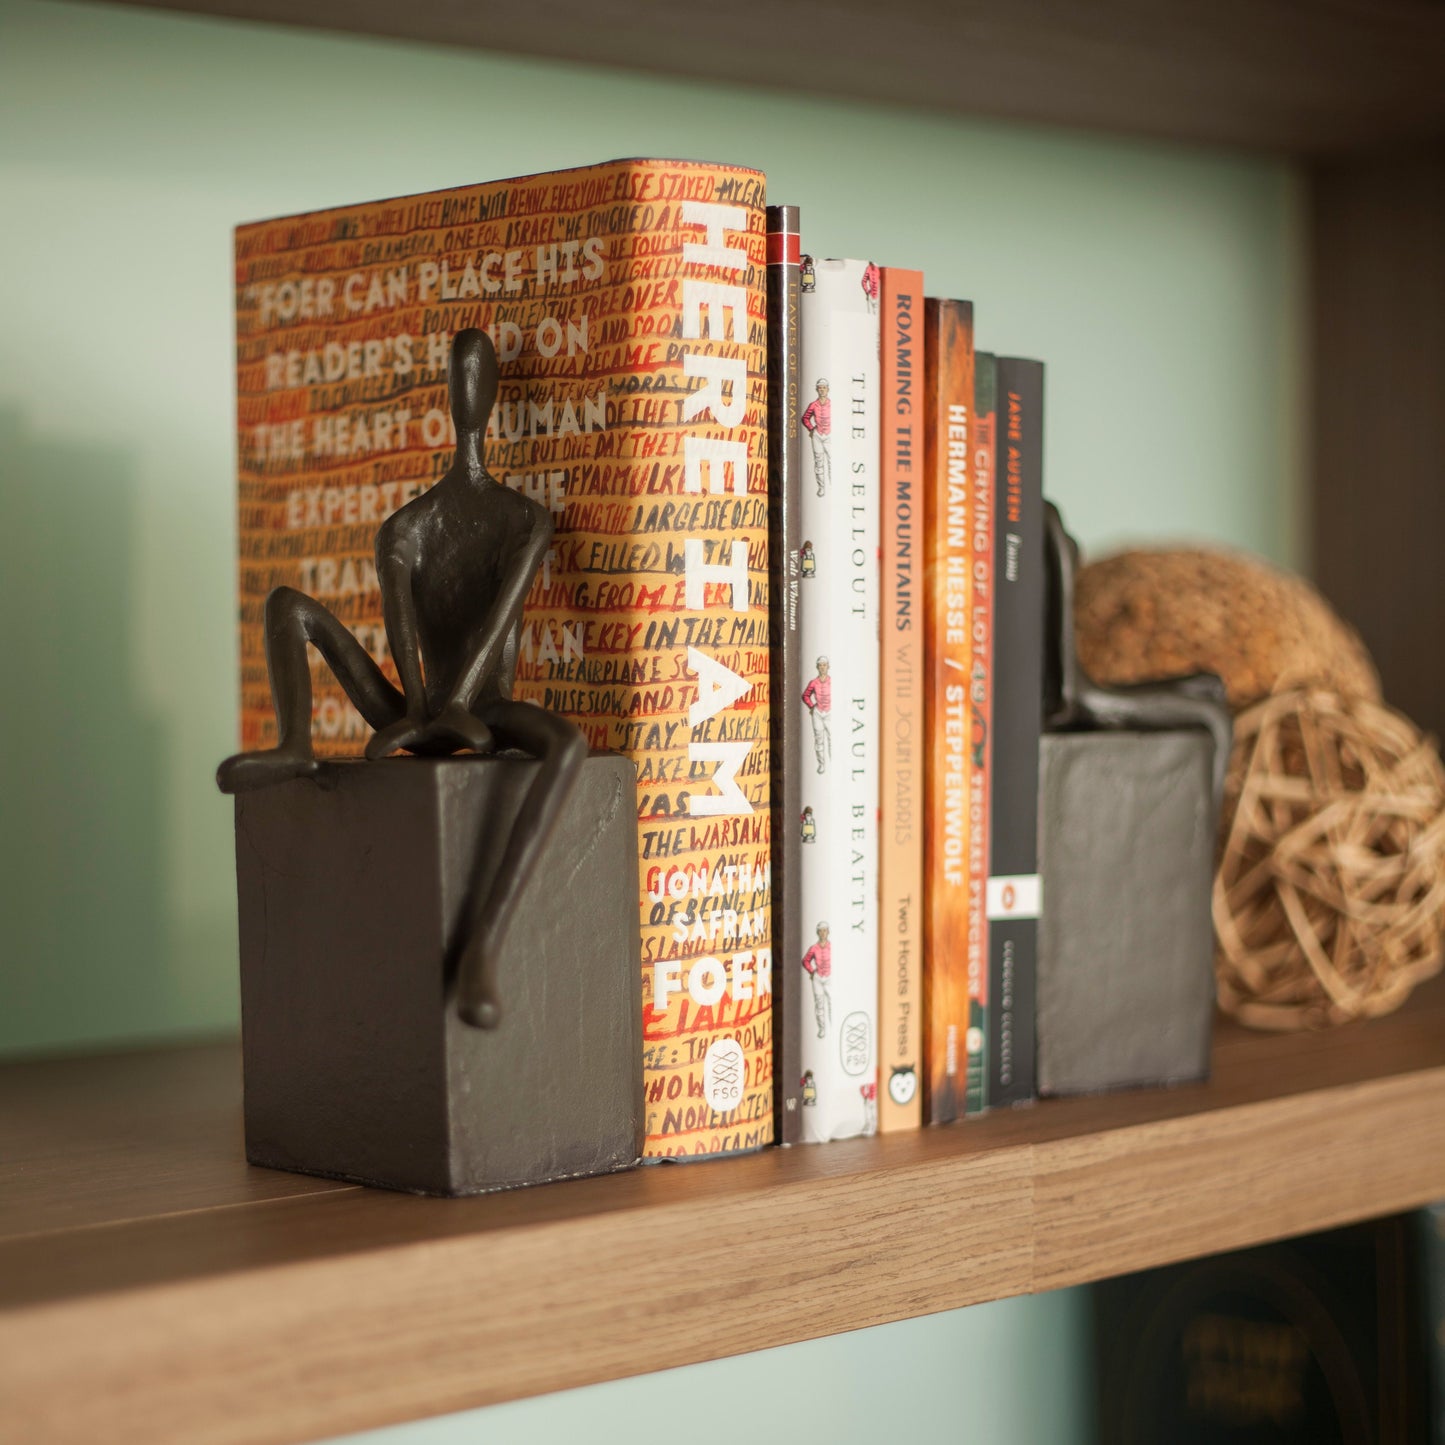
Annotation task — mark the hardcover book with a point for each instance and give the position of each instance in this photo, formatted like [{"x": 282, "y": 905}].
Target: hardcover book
[
  {"x": 839, "y": 699},
  {"x": 785, "y": 501},
  {"x": 1014, "y": 897},
  {"x": 1312, "y": 1341},
  {"x": 900, "y": 706},
  {"x": 626, "y": 302},
  {"x": 948, "y": 469}
]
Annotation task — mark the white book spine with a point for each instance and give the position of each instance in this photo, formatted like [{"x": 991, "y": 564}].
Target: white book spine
[{"x": 838, "y": 622}]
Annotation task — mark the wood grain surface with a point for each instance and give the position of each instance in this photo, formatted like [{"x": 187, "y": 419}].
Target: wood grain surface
[
  {"x": 1309, "y": 79},
  {"x": 1378, "y": 426},
  {"x": 153, "y": 1288}
]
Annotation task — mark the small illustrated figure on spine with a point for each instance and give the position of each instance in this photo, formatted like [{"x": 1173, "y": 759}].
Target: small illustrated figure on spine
[
  {"x": 808, "y": 274},
  {"x": 903, "y": 1084},
  {"x": 818, "y": 699},
  {"x": 809, "y": 826},
  {"x": 818, "y": 965},
  {"x": 870, "y": 286},
  {"x": 870, "y": 1106},
  {"x": 817, "y": 421},
  {"x": 454, "y": 566},
  {"x": 808, "y": 560},
  {"x": 809, "y": 1086}
]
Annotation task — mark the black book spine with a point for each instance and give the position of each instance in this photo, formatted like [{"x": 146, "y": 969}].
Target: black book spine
[
  {"x": 1013, "y": 894},
  {"x": 786, "y": 679}
]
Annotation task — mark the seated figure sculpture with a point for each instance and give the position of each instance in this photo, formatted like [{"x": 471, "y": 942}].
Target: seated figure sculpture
[{"x": 454, "y": 567}]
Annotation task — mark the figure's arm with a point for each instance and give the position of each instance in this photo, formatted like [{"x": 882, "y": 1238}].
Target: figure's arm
[
  {"x": 810, "y": 694},
  {"x": 809, "y": 418},
  {"x": 395, "y": 569},
  {"x": 395, "y": 565},
  {"x": 485, "y": 648}
]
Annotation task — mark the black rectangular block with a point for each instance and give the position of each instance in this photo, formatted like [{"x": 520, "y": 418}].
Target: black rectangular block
[
  {"x": 352, "y": 890},
  {"x": 1126, "y": 944}
]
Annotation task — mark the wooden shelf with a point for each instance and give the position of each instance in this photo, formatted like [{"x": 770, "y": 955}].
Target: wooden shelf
[
  {"x": 155, "y": 1288},
  {"x": 1268, "y": 74}
]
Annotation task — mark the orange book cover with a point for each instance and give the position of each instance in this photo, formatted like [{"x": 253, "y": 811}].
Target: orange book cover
[
  {"x": 948, "y": 350},
  {"x": 627, "y": 305},
  {"x": 900, "y": 823}
]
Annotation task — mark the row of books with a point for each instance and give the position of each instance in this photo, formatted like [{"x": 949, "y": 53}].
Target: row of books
[
  {"x": 688, "y": 598},
  {"x": 907, "y": 685}
]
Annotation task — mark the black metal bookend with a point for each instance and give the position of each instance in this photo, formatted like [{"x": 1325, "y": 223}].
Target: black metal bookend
[
  {"x": 1130, "y": 784},
  {"x": 439, "y": 955}
]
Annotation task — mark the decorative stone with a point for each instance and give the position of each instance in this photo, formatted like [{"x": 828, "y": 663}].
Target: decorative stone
[
  {"x": 1125, "y": 970},
  {"x": 354, "y": 886}
]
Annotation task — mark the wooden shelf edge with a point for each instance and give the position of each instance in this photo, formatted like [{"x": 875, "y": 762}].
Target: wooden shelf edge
[
  {"x": 1357, "y": 75},
  {"x": 290, "y": 1316}
]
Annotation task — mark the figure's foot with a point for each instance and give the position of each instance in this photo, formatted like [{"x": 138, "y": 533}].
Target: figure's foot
[
  {"x": 822, "y": 1033},
  {"x": 244, "y": 771},
  {"x": 481, "y": 1013},
  {"x": 477, "y": 1002}
]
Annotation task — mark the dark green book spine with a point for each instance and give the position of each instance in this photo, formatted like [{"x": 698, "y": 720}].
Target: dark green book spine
[{"x": 983, "y": 522}]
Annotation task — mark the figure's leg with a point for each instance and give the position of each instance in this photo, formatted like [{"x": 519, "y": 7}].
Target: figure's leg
[
  {"x": 293, "y": 620},
  {"x": 819, "y": 1007},
  {"x": 561, "y": 750},
  {"x": 816, "y": 717},
  {"x": 818, "y": 474}
]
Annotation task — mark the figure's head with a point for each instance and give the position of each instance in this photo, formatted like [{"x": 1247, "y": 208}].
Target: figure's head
[
  {"x": 822, "y": 933},
  {"x": 822, "y": 389},
  {"x": 472, "y": 379},
  {"x": 822, "y": 667}
]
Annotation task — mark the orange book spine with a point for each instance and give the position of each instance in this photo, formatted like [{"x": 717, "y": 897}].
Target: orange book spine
[
  {"x": 626, "y": 302},
  {"x": 949, "y": 366},
  {"x": 900, "y": 824}
]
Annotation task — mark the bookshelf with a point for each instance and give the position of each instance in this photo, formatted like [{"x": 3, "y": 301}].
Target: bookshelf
[
  {"x": 137, "y": 1250},
  {"x": 1267, "y": 74},
  {"x": 1351, "y": 91},
  {"x": 153, "y": 1288}
]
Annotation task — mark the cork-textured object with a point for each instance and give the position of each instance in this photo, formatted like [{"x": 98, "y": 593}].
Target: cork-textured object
[
  {"x": 353, "y": 888},
  {"x": 1142, "y": 615}
]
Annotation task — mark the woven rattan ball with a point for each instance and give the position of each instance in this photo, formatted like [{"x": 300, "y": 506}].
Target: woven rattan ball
[
  {"x": 1329, "y": 900},
  {"x": 1141, "y": 616}
]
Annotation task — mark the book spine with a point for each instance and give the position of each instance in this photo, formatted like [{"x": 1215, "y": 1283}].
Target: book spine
[
  {"x": 949, "y": 365},
  {"x": 1014, "y": 895},
  {"x": 1430, "y": 1224},
  {"x": 900, "y": 708},
  {"x": 786, "y": 677},
  {"x": 631, "y": 337},
  {"x": 839, "y": 699},
  {"x": 980, "y": 704}
]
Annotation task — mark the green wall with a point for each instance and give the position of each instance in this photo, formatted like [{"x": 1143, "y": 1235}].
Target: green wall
[{"x": 1161, "y": 285}]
